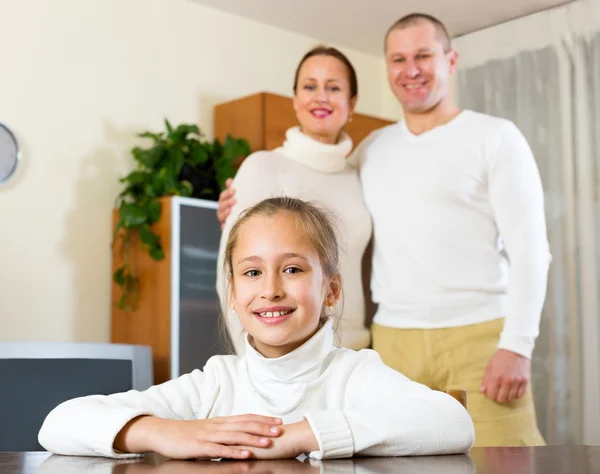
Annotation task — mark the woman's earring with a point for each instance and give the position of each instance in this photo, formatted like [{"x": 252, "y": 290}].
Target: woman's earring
[
  {"x": 350, "y": 119},
  {"x": 233, "y": 311}
]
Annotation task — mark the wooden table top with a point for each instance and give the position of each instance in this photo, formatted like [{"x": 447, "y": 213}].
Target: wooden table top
[{"x": 540, "y": 460}]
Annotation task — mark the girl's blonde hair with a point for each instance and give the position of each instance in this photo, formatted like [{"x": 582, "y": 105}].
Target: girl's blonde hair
[{"x": 319, "y": 225}]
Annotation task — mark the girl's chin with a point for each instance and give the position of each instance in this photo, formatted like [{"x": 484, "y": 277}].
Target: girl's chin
[{"x": 274, "y": 349}]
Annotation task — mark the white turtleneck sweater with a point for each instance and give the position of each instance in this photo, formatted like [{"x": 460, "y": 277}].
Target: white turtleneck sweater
[
  {"x": 310, "y": 170},
  {"x": 352, "y": 401}
]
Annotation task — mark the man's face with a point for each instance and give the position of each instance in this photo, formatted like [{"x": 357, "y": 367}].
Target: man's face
[{"x": 418, "y": 67}]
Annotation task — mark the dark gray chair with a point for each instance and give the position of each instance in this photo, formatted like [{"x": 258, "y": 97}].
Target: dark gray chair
[{"x": 36, "y": 377}]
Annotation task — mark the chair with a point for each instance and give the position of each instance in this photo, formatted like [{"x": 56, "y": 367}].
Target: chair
[
  {"x": 460, "y": 395},
  {"x": 36, "y": 377}
]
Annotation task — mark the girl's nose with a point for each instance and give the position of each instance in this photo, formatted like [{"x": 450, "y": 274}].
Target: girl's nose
[{"x": 273, "y": 288}]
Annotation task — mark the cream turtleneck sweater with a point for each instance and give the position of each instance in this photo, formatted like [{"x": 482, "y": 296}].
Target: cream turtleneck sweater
[
  {"x": 313, "y": 171},
  {"x": 353, "y": 402}
]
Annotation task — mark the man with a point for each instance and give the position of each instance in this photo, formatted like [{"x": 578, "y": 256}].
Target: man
[{"x": 455, "y": 196}]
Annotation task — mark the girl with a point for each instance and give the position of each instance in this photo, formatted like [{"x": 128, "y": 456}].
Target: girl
[
  {"x": 304, "y": 394},
  {"x": 311, "y": 165}
]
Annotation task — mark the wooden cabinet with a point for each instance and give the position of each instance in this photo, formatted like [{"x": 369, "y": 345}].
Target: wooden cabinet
[
  {"x": 177, "y": 312},
  {"x": 263, "y": 119}
]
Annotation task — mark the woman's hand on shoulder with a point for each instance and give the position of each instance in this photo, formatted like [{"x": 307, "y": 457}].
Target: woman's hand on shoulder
[
  {"x": 226, "y": 202},
  {"x": 222, "y": 437}
]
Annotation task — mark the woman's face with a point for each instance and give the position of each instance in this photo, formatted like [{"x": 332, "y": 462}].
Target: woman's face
[{"x": 322, "y": 101}]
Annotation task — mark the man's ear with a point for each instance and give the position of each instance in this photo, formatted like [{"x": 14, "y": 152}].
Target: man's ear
[{"x": 453, "y": 58}]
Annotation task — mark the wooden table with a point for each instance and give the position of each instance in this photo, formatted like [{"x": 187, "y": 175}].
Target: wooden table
[{"x": 543, "y": 460}]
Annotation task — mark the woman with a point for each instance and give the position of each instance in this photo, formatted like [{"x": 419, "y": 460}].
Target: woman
[{"x": 311, "y": 165}]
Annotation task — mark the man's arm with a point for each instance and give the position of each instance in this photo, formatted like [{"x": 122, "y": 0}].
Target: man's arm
[{"x": 517, "y": 199}]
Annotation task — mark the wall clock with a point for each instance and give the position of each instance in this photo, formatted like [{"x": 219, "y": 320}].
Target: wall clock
[{"x": 10, "y": 155}]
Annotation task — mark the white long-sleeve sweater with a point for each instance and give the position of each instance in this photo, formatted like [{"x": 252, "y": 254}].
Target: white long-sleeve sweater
[
  {"x": 307, "y": 169},
  {"x": 353, "y": 402},
  {"x": 460, "y": 232}
]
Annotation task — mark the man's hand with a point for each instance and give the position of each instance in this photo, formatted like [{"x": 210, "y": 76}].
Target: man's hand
[
  {"x": 506, "y": 376},
  {"x": 207, "y": 439},
  {"x": 295, "y": 439},
  {"x": 226, "y": 202}
]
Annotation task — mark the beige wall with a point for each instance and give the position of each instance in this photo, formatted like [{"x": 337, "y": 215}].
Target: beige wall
[{"x": 79, "y": 79}]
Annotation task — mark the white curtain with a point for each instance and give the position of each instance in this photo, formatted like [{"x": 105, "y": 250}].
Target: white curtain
[{"x": 553, "y": 94}]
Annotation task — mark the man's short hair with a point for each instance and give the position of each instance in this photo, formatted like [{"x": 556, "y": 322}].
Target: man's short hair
[{"x": 417, "y": 18}]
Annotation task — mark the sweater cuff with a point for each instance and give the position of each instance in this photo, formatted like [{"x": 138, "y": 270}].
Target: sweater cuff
[
  {"x": 333, "y": 434},
  {"x": 518, "y": 344}
]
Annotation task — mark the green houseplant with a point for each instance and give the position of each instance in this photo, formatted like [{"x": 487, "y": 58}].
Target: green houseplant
[{"x": 178, "y": 162}]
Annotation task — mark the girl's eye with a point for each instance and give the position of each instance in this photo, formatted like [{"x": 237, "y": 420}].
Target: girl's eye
[
  {"x": 292, "y": 270},
  {"x": 252, "y": 273},
  {"x": 309, "y": 87},
  {"x": 334, "y": 88}
]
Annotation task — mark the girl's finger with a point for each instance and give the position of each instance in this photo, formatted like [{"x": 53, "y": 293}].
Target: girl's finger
[
  {"x": 214, "y": 451},
  {"x": 269, "y": 420},
  {"x": 237, "y": 438},
  {"x": 252, "y": 427}
]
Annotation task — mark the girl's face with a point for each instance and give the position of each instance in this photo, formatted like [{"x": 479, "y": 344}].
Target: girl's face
[
  {"x": 322, "y": 101},
  {"x": 279, "y": 287}
]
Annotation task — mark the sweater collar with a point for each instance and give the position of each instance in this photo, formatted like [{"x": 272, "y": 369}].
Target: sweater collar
[
  {"x": 314, "y": 154},
  {"x": 302, "y": 365}
]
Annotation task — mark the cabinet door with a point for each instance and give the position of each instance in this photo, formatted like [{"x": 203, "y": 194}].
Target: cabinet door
[{"x": 197, "y": 328}]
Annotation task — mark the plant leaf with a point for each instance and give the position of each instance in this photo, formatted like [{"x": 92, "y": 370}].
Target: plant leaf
[
  {"x": 132, "y": 215},
  {"x": 135, "y": 177},
  {"x": 169, "y": 127},
  {"x": 185, "y": 188},
  {"x": 157, "y": 253},
  {"x": 122, "y": 304},
  {"x": 147, "y": 236},
  {"x": 168, "y": 179},
  {"x": 150, "y": 189},
  {"x": 153, "y": 208},
  {"x": 177, "y": 160},
  {"x": 148, "y": 158},
  {"x": 183, "y": 130},
  {"x": 119, "y": 276},
  {"x": 198, "y": 152},
  {"x": 154, "y": 136}
]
